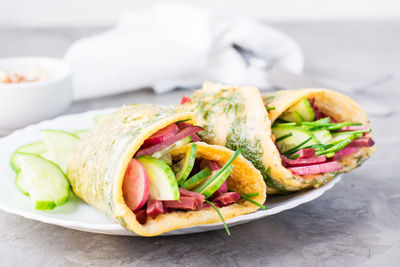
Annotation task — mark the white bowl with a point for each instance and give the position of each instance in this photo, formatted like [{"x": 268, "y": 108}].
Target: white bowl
[{"x": 25, "y": 103}]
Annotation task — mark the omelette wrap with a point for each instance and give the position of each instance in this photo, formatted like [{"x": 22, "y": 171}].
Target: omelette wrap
[
  {"x": 238, "y": 117},
  {"x": 123, "y": 168},
  {"x": 339, "y": 130}
]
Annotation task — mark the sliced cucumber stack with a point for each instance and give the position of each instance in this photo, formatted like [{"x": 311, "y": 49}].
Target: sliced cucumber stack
[
  {"x": 60, "y": 145},
  {"x": 213, "y": 183},
  {"x": 33, "y": 148},
  {"x": 302, "y": 111},
  {"x": 295, "y": 138},
  {"x": 43, "y": 181},
  {"x": 183, "y": 168},
  {"x": 162, "y": 183}
]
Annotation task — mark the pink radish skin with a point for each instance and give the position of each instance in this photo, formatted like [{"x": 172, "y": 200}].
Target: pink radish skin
[
  {"x": 162, "y": 135},
  {"x": 135, "y": 186}
]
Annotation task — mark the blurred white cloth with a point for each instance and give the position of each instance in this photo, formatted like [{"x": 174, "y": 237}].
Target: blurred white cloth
[{"x": 176, "y": 45}]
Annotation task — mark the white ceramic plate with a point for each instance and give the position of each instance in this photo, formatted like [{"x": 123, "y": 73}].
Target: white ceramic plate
[{"x": 78, "y": 215}]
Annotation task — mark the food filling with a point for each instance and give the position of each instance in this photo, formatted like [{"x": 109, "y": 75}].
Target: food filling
[
  {"x": 311, "y": 142},
  {"x": 154, "y": 183}
]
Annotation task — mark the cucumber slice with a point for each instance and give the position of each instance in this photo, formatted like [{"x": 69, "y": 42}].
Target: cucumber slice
[
  {"x": 339, "y": 137},
  {"x": 81, "y": 133},
  {"x": 183, "y": 168},
  {"x": 21, "y": 182},
  {"x": 162, "y": 183},
  {"x": 45, "y": 182},
  {"x": 179, "y": 143},
  {"x": 299, "y": 135},
  {"x": 167, "y": 158},
  {"x": 209, "y": 189},
  {"x": 299, "y": 112},
  {"x": 60, "y": 145},
  {"x": 197, "y": 179},
  {"x": 322, "y": 135},
  {"x": 33, "y": 148}
]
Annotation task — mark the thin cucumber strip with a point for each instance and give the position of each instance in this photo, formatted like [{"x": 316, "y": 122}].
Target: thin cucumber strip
[
  {"x": 220, "y": 215},
  {"x": 183, "y": 168},
  {"x": 252, "y": 201},
  {"x": 269, "y": 108},
  {"x": 196, "y": 179},
  {"x": 337, "y": 147},
  {"x": 220, "y": 171},
  {"x": 211, "y": 186},
  {"x": 296, "y": 148},
  {"x": 337, "y": 126}
]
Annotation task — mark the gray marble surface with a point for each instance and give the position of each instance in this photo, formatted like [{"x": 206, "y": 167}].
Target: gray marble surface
[{"x": 357, "y": 223}]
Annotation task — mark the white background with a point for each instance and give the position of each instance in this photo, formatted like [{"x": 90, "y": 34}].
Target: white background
[{"x": 67, "y": 13}]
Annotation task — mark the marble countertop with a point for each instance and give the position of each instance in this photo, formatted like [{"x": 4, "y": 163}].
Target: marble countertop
[{"x": 356, "y": 223}]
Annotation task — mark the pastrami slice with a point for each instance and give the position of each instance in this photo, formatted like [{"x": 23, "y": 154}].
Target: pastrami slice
[
  {"x": 227, "y": 199},
  {"x": 318, "y": 168},
  {"x": 184, "y": 203},
  {"x": 154, "y": 208},
  {"x": 302, "y": 161},
  {"x": 173, "y": 139},
  {"x": 365, "y": 141}
]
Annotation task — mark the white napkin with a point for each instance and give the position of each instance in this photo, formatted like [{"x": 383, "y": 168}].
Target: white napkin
[{"x": 176, "y": 45}]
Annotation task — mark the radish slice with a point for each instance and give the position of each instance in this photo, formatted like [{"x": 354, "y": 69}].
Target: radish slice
[
  {"x": 318, "y": 168},
  {"x": 302, "y": 161},
  {"x": 162, "y": 135},
  {"x": 135, "y": 186},
  {"x": 180, "y": 135}
]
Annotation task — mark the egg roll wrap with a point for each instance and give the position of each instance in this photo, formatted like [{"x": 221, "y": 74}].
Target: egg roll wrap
[
  {"x": 97, "y": 167},
  {"x": 335, "y": 105},
  {"x": 237, "y": 117}
]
